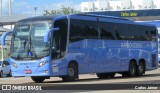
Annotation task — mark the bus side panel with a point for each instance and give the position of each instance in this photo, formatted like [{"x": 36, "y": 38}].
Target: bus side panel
[{"x": 105, "y": 56}]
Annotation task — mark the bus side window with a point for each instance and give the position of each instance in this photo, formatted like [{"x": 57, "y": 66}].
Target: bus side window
[{"x": 107, "y": 31}]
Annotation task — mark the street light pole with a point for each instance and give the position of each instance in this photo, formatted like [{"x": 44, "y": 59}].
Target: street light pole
[
  {"x": 35, "y": 9},
  {"x": 1, "y": 8},
  {"x": 10, "y": 8}
]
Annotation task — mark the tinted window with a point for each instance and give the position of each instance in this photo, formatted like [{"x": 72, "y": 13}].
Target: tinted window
[
  {"x": 87, "y": 29},
  {"x": 133, "y": 32},
  {"x": 143, "y": 33},
  {"x": 83, "y": 29},
  {"x": 107, "y": 30}
]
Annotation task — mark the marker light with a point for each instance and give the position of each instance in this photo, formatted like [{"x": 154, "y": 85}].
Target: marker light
[
  {"x": 46, "y": 71},
  {"x": 42, "y": 63},
  {"x": 14, "y": 65}
]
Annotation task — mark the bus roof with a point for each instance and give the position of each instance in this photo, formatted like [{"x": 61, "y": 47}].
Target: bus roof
[
  {"x": 94, "y": 15},
  {"x": 37, "y": 18},
  {"x": 103, "y": 16},
  {"x": 123, "y": 20}
]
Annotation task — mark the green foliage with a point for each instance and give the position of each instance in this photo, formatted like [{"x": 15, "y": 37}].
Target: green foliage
[
  {"x": 63, "y": 10},
  {"x": 6, "y": 53}
]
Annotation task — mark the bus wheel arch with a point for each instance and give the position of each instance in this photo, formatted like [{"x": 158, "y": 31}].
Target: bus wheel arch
[
  {"x": 141, "y": 67},
  {"x": 72, "y": 71}
]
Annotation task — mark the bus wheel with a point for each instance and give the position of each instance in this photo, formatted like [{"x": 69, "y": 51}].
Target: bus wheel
[
  {"x": 72, "y": 73},
  {"x": 38, "y": 79},
  {"x": 1, "y": 74},
  {"x": 140, "y": 69},
  {"x": 132, "y": 69}
]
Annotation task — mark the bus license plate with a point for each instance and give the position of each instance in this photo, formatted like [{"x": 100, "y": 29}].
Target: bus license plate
[{"x": 27, "y": 71}]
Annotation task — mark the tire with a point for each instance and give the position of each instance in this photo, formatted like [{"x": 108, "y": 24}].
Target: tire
[
  {"x": 132, "y": 69},
  {"x": 72, "y": 73},
  {"x": 140, "y": 69},
  {"x": 38, "y": 79},
  {"x": 105, "y": 75},
  {"x": 1, "y": 74}
]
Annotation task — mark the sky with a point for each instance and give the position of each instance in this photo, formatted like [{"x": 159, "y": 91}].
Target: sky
[{"x": 27, "y": 6}]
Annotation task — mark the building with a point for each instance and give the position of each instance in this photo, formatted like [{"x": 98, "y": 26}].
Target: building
[
  {"x": 126, "y": 4},
  {"x": 114, "y": 5},
  {"x": 87, "y": 6},
  {"x": 101, "y": 5},
  {"x": 118, "y": 5}
]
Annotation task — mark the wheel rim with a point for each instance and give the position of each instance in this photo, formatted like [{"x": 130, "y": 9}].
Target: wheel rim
[
  {"x": 71, "y": 72},
  {"x": 140, "y": 68},
  {"x": 132, "y": 69}
]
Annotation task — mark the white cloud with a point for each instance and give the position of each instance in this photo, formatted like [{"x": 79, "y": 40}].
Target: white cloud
[
  {"x": 59, "y": 5},
  {"x": 24, "y": 7}
]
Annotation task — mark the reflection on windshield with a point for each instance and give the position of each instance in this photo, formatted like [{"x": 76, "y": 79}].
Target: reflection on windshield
[{"x": 28, "y": 41}]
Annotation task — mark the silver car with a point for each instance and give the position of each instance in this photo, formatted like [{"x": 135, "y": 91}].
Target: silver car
[{"x": 5, "y": 68}]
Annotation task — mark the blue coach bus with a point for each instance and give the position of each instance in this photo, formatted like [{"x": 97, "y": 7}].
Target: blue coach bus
[{"x": 80, "y": 44}]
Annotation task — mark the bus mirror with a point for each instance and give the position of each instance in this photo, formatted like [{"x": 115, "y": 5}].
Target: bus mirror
[
  {"x": 46, "y": 35},
  {"x": 3, "y": 37}
]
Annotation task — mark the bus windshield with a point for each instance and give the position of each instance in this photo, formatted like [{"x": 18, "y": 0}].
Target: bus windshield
[{"x": 27, "y": 41}]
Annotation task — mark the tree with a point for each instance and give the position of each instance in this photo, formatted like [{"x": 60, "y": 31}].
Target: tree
[{"x": 63, "y": 10}]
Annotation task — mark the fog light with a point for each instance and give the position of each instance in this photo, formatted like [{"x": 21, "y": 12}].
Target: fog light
[{"x": 46, "y": 71}]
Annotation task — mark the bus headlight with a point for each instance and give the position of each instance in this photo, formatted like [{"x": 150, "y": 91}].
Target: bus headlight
[
  {"x": 14, "y": 65},
  {"x": 42, "y": 63}
]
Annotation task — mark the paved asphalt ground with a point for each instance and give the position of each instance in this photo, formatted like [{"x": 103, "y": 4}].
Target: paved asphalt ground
[{"x": 89, "y": 83}]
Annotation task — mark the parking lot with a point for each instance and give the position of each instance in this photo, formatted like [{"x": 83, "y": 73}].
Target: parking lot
[{"x": 90, "y": 82}]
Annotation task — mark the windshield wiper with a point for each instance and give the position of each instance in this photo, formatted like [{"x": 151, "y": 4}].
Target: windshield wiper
[{"x": 25, "y": 42}]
